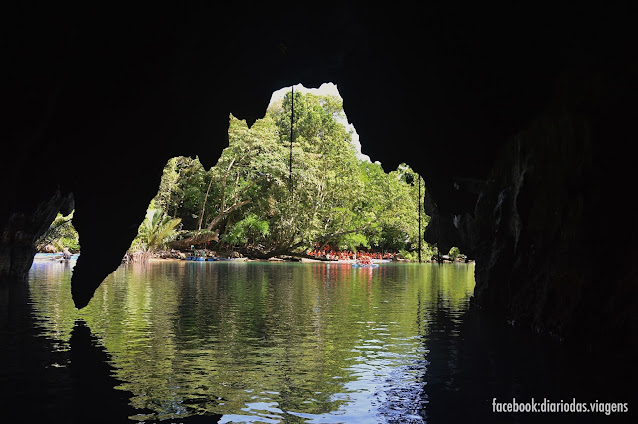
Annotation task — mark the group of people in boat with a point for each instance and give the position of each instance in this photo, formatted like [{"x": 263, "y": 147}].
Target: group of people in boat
[{"x": 329, "y": 253}]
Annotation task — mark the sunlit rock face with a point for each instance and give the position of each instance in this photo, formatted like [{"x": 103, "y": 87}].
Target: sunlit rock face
[{"x": 517, "y": 120}]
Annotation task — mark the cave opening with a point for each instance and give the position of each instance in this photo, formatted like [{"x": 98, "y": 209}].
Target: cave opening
[
  {"x": 60, "y": 241},
  {"x": 518, "y": 120},
  {"x": 292, "y": 191}
]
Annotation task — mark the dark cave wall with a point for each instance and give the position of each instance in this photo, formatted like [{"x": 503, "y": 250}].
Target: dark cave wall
[
  {"x": 517, "y": 119},
  {"x": 552, "y": 249},
  {"x": 24, "y": 226}
]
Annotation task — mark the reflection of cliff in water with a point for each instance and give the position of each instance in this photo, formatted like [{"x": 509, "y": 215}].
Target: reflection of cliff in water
[
  {"x": 313, "y": 342},
  {"x": 438, "y": 313},
  {"x": 51, "y": 380},
  {"x": 44, "y": 383},
  {"x": 190, "y": 339},
  {"x": 474, "y": 358}
]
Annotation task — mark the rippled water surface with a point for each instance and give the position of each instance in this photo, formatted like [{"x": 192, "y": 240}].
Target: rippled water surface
[{"x": 266, "y": 342}]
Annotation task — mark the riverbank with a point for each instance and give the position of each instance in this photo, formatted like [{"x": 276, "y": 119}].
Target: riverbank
[
  {"x": 300, "y": 259},
  {"x": 180, "y": 256},
  {"x": 55, "y": 257}
]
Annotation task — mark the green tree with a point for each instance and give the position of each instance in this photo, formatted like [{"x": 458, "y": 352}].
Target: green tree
[
  {"x": 241, "y": 176},
  {"x": 179, "y": 194},
  {"x": 60, "y": 235},
  {"x": 251, "y": 229},
  {"x": 156, "y": 230},
  {"x": 323, "y": 191},
  {"x": 330, "y": 197}
]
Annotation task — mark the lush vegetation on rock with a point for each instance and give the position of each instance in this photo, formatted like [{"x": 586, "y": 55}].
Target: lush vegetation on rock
[
  {"x": 61, "y": 235},
  {"x": 252, "y": 200}
]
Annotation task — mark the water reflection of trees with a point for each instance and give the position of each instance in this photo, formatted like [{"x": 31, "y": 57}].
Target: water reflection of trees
[{"x": 195, "y": 338}]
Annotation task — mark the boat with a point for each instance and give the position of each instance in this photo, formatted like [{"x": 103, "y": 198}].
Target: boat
[
  {"x": 213, "y": 259},
  {"x": 230, "y": 259},
  {"x": 364, "y": 265},
  {"x": 199, "y": 258}
]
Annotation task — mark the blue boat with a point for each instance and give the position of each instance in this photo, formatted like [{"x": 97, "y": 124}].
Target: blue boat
[{"x": 199, "y": 258}]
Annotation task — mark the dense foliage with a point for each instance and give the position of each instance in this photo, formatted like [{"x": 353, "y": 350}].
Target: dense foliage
[
  {"x": 156, "y": 230},
  {"x": 59, "y": 236},
  {"x": 253, "y": 199}
]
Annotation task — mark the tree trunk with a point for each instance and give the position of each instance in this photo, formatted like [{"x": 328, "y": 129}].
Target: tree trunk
[
  {"x": 200, "y": 238},
  {"x": 219, "y": 218},
  {"x": 201, "y": 215}
]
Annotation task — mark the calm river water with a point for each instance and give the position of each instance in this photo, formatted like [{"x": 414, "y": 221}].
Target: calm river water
[{"x": 266, "y": 342}]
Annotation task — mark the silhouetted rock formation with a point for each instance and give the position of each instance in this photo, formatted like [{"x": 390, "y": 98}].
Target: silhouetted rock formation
[
  {"x": 542, "y": 230},
  {"x": 517, "y": 119},
  {"x": 42, "y": 382}
]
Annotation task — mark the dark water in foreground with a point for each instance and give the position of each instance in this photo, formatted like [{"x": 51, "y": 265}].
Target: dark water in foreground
[{"x": 296, "y": 343}]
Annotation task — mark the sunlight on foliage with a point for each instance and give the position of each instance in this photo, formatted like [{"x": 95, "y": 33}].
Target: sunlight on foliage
[{"x": 251, "y": 199}]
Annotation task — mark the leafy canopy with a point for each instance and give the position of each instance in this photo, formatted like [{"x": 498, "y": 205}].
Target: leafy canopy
[{"x": 251, "y": 198}]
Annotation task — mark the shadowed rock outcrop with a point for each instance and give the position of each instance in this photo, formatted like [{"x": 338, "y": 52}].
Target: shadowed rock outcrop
[
  {"x": 26, "y": 224},
  {"x": 552, "y": 251},
  {"x": 517, "y": 119}
]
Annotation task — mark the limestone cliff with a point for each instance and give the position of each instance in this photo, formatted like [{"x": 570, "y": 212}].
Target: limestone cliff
[{"x": 551, "y": 246}]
